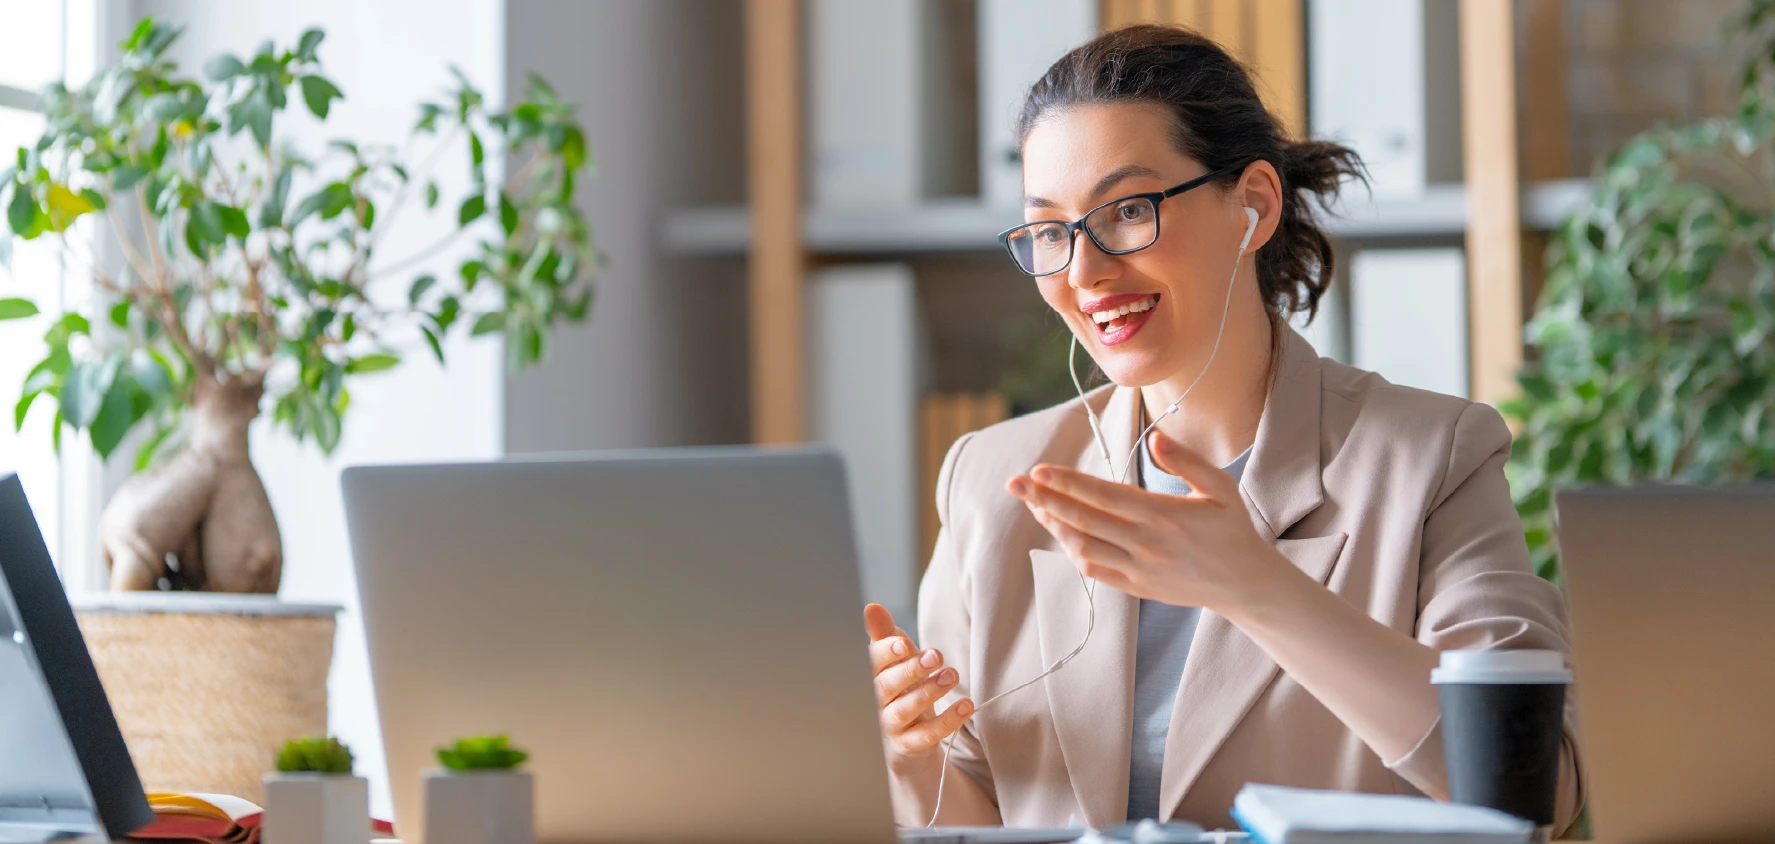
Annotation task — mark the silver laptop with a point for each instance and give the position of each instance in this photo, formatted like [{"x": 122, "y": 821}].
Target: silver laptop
[
  {"x": 675, "y": 636},
  {"x": 1672, "y": 590}
]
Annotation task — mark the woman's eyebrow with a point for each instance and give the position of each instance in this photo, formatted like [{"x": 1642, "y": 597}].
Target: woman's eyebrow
[{"x": 1110, "y": 180}]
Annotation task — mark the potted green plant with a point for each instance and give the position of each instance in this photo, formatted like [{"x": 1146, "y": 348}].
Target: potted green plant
[
  {"x": 314, "y": 798},
  {"x": 254, "y": 276},
  {"x": 1650, "y": 346},
  {"x": 478, "y": 795}
]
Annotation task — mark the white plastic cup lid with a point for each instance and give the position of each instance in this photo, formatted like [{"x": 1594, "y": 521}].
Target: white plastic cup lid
[{"x": 1501, "y": 666}]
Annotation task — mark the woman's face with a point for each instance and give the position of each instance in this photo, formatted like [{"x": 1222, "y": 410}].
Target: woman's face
[{"x": 1078, "y": 158}]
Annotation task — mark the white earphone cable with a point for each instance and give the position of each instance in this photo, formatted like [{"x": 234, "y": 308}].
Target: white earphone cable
[{"x": 1090, "y": 586}]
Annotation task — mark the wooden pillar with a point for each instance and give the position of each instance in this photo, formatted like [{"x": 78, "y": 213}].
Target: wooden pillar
[
  {"x": 773, "y": 184},
  {"x": 1278, "y": 53},
  {"x": 1546, "y": 122},
  {"x": 1494, "y": 208}
]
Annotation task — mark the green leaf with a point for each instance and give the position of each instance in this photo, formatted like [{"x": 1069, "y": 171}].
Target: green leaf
[
  {"x": 205, "y": 228},
  {"x": 223, "y": 67},
  {"x": 448, "y": 310},
  {"x": 271, "y": 215},
  {"x": 488, "y": 324},
  {"x": 431, "y": 339},
  {"x": 16, "y": 308},
  {"x": 314, "y": 755},
  {"x": 371, "y": 363},
  {"x": 472, "y": 209},
  {"x": 62, "y": 329},
  {"x": 309, "y": 42},
  {"x": 23, "y": 409},
  {"x": 150, "y": 374},
  {"x": 508, "y": 215},
  {"x": 84, "y": 390},
  {"x": 431, "y": 194},
  {"x": 481, "y": 753},
  {"x": 573, "y": 149},
  {"x": 234, "y": 221},
  {"x": 471, "y": 272},
  {"x": 319, "y": 93},
  {"x": 120, "y": 313},
  {"x": 126, "y": 176},
  {"x": 420, "y": 286},
  {"x": 329, "y": 202},
  {"x": 21, "y": 212},
  {"x": 116, "y": 416},
  {"x": 139, "y": 35},
  {"x": 254, "y": 114},
  {"x": 150, "y": 450}
]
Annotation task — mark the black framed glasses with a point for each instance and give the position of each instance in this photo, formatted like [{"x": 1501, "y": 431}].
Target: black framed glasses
[{"x": 1118, "y": 227}]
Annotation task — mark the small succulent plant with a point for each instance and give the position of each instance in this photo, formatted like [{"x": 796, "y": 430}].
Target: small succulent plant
[
  {"x": 481, "y": 753},
  {"x": 318, "y": 755}
]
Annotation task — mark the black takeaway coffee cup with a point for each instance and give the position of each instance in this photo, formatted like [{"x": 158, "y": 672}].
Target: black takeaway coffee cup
[{"x": 1503, "y": 714}]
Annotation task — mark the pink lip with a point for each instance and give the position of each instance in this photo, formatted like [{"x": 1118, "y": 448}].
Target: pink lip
[
  {"x": 1126, "y": 332},
  {"x": 1115, "y": 301}
]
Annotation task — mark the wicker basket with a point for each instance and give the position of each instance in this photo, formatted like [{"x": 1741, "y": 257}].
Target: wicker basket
[{"x": 207, "y": 687}]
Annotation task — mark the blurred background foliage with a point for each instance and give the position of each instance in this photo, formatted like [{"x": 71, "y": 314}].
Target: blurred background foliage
[{"x": 1649, "y": 348}]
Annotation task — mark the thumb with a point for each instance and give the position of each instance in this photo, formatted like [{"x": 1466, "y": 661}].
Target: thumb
[
  {"x": 878, "y": 622},
  {"x": 1205, "y": 479}
]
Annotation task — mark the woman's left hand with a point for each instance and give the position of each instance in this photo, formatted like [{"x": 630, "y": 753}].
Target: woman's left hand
[{"x": 1197, "y": 550}]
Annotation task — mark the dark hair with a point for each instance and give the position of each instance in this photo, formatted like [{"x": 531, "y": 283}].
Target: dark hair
[{"x": 1218, "y": 120}]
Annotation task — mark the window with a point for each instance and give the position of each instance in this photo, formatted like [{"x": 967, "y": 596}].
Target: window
[{"x": 46, "y": 40}]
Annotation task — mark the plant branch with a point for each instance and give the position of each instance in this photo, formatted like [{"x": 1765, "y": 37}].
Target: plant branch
[
  {"x": 160, "y": 264},
  {"x": 130, "y": 254}
]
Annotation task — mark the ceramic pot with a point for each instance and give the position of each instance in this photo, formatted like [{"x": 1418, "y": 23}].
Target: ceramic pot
[
  {"x": 479, "y": 807},
  {"x": 316, "y": 809}
]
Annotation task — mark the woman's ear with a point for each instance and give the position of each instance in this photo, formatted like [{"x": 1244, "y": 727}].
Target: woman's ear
[{"x": 1260, "y": 189}]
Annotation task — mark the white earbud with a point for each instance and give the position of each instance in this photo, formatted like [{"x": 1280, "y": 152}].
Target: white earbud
[{"x": 1250, "y": 228}]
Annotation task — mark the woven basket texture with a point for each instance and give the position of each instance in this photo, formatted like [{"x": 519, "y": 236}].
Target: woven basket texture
[{"x": 205, "y": 700}]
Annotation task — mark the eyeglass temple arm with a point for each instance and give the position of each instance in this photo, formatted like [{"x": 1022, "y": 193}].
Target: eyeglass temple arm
[{"x": 1199, "y": 180}]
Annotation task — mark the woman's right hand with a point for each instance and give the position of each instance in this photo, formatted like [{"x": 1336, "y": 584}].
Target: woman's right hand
[{"x": 908, "y": 684}]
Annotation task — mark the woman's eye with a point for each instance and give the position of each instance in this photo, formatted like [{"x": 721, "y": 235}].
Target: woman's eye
[
  {"x": 1133, "y": 212},
  {"x": 1048, "y": 236}
]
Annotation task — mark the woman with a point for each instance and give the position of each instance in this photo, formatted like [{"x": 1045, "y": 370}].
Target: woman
[{"x": 1292, "y": 546}]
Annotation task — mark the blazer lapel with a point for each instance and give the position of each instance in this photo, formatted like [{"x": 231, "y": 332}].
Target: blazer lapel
[
  {"x": 1092, "y": 703},
  {"x": 1226, "y": 671}
]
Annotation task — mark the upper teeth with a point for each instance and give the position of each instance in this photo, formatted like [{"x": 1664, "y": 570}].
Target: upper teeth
[{"x": 1145, "y": 304}]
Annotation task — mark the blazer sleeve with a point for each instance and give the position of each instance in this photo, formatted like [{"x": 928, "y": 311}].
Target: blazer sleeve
[
  {"x": 1477, "y": 589},
  {"x": 945, "y": 622}
]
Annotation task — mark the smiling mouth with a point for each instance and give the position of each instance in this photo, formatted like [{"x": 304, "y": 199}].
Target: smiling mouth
[{"x": 1111, "y": 320}]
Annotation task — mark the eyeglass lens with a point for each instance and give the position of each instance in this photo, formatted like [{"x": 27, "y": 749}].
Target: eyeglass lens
[{"x": 1124, "y": 226}]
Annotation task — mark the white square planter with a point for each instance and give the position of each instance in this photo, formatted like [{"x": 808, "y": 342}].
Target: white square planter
[
  {"x": 317, "y": 809},
  {"x": 479, "y": 807}
]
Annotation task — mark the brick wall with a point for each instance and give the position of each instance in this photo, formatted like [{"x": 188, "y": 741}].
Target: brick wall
[{"x": 1631, "y": 64}]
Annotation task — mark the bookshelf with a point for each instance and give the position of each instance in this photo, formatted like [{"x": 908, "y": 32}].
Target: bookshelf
[{"x": 966, "y": 225}]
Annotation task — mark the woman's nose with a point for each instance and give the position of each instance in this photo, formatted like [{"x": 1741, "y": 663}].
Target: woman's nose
[{"x": 1090, "y": 266}]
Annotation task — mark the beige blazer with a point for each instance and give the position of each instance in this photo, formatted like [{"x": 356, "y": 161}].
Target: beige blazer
[{"x": 1393, "y": 497}]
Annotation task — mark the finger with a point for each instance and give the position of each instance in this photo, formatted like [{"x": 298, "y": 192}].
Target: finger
[
  {"x": 1093, "y": 556},
  {"x": 890, "y": 651},
  {"x": 1205, "y": 479},
  {"x": 1084, "y": 517},
  {"x": 879, "y": 622},
  {"x": 929, "y": 734},
  {"x": 909, "y": 708},
  {"x": 1130, "y": 501},
  {"x": 895, "y": 680}
]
